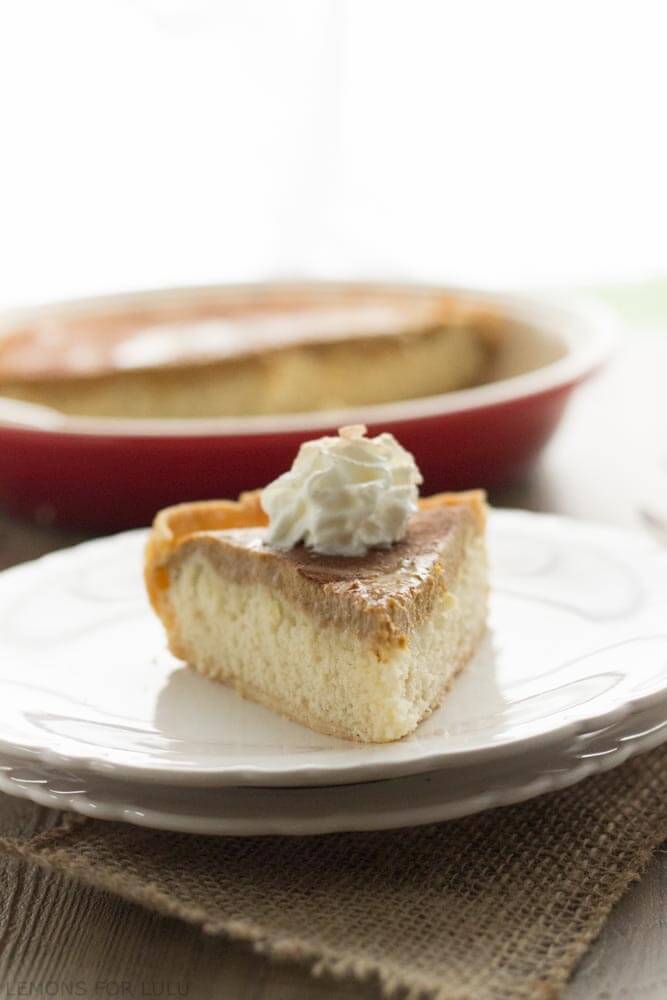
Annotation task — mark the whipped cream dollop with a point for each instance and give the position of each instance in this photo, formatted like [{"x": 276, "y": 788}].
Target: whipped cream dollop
[{"x": 344, "y": 495}]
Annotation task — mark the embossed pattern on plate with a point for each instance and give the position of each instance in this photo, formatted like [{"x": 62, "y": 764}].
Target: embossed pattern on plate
[{"x": 577, "y": 641}]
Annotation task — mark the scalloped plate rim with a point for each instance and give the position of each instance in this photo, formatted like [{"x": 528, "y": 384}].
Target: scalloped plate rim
[{"x": 406, "y": 812}]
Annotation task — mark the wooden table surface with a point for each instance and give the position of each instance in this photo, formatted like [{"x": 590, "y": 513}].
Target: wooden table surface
[{"x": 608, "y": 462}]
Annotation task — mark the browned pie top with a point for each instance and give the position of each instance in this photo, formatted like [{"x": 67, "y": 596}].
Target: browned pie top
[
  {"x": 87, "y": 344},
  {"x": 432, "y": 536},
  {"x": 380, "y": 595}
]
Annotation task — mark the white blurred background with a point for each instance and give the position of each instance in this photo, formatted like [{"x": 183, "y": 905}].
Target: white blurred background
[{"x": 147, "y": 142}]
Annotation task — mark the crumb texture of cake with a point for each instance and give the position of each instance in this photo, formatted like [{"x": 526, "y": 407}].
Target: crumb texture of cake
[
  {"x": 359, "y": 648},
  {"x": 259, "y": 640}
]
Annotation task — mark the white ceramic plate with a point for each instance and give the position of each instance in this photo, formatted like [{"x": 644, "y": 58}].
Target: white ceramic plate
[
  {"x": 379, "y": 805},
  {"x": 577, "y": 642}
]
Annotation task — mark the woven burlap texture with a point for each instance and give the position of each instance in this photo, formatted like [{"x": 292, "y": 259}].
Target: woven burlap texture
[{"x": 498, "y": 906}]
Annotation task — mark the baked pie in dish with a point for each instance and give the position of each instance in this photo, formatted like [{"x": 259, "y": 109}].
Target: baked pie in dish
[{"x": 281, "y": 350}]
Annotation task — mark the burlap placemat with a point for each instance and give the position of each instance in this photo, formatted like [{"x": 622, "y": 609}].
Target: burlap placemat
[{"x": 498, "y": 906}]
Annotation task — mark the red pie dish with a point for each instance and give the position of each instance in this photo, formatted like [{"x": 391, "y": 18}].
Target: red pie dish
[{"x": 472, "y": 384}]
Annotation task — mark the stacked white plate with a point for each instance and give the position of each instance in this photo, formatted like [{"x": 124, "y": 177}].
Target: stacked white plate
[{"x": 96, "y": 716}]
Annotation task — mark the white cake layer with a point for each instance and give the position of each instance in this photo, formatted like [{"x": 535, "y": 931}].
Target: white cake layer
[{"x": 271, "y": 651}]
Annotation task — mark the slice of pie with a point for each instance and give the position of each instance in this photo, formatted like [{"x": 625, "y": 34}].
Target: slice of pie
[{"x": 361, "y": 647}]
